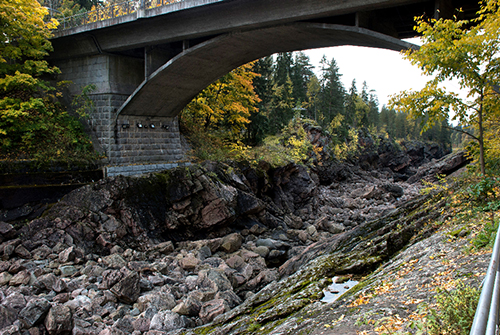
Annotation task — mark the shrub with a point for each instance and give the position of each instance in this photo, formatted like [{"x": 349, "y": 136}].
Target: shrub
[{"x": 455, "y": 310}]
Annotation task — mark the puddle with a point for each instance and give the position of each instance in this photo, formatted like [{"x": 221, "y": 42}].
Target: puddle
[{"x": 334, "y": 291}]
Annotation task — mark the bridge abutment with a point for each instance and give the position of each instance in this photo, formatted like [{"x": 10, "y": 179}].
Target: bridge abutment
[
  {"x": 125, "y": 140},
  {"x": 145, "y": 140}
]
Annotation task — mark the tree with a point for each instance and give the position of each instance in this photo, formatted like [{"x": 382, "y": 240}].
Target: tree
[
  {"x": 350, "y": 104},
  {"x": 301, "y": 74},
  {"x": 332, "y": 96},
  {"x": 24, "y": 42},
  {"x": 225, "y": 105},
  {"x": 283, "y": 68},
  {"x": 24, "y": 39},
  {"x": 263, "y": 86},
  {"x": 373, "y": 114},
  {"x": 313, "y": 94},
  {"x": 465, "y": 50},
  {"x": 33, "y": 125},
  {"x": 281, "y": 106}
]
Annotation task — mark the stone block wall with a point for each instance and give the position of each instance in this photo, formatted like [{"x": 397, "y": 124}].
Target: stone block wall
[
  {"x": 145, "y": 140},
  {"x": 125, "y": 140},
  {"x": 102, "y": 119},
  {"x": 133, "y": 139}
]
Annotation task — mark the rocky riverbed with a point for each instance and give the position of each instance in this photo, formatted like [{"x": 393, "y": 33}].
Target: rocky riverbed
[{"x": 210, "y": 248}]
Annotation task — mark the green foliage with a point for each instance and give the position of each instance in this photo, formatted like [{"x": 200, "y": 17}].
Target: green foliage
[
  {"x": 463, "y": 50},
  {"x": 486, "y": 237},
  {"x": 453, "y": 314},
  {"x": 24, "y": 41},
  {"x": 263, "y": 86},
  {"x": 294, "y": 139},
  {"x": 483, "y": 190},
  {"x": 398, "y": 125},
  {"x": 32, "y": 124},
  {"x": 344, "y": 140},
  {"x": 41, "y": 130},
  {"x": 282, "y": 105},
  {"x": 82, "y": 103},
  {"x": 473, "y": 207},
  {"x": 292, "y": 145},
  {"x": 331, "y": 97},
  {"x": 287, "y": 90},
  {"x": 301, "y": 74},
  {"x": 213, "y": 146}
]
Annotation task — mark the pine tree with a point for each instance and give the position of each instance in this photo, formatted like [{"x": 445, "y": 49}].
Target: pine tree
[
  {"x": 313, "y": 96},
  {"x": 332, "y": 95},
  {"x": 263, "y": 85},
  {"x": 350, "y": 106},
  {"x": 283, "y": 68},
  {"x": 281, "y": 106},
  {"x": 301, "y": 74},
  {"x": 373, "y": 114}
]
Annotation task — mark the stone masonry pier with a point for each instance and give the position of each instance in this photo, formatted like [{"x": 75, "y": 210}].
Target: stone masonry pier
[{"x": 125, "y": 140}]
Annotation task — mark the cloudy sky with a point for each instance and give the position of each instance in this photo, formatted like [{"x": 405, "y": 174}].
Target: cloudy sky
[{"x": 384, "y": 71}]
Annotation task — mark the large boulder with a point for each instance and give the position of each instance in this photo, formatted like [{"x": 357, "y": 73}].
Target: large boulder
[
  {"x": 231, "y": 242},
  {"x": 59, "y": 320},
  {"x": 444, "y": 166},
  {"x": 34, "y": 312},
  {"x": 167, "y": 321},
  {"x": 128, "y": 288}
]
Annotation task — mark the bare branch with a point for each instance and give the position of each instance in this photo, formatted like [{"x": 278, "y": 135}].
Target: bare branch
[{"x": 462, "y": 131}]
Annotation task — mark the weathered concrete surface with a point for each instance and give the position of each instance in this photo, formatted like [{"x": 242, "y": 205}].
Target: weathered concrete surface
[
  {"x": 194, "y": 19},
  {"x": 182, "y": 78}
]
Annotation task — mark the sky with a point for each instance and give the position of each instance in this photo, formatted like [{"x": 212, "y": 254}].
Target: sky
[{"x": 384, "y": 71}]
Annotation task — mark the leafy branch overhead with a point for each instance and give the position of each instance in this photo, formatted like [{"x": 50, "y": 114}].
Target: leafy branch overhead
[{"x": 466, "y": 51}]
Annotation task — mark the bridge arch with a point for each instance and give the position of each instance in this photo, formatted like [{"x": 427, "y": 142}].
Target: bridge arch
[{"x": 170, "y": 88}]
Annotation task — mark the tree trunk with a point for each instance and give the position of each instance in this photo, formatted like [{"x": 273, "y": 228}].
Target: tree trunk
[{"x": 480, "y": 139}]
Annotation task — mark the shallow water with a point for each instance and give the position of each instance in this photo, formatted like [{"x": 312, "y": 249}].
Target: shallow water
[{"x": 334, "y": 291}]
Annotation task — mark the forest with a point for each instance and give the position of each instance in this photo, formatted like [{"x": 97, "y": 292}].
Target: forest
[{"x": 254, "y": 104}]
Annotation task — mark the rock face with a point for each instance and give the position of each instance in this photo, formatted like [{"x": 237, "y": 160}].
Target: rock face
[
  {"x": 444, "y": 166},
  {"x": 178, "y": 249},
  {"x": 403, "y": 161}
]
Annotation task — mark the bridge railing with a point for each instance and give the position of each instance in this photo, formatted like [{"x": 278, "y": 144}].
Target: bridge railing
[
  {"x": 110, "y": 12},
  {"x": 486, "y": 320},
  {"x": 99, "y": 14},
  {"x": 148, "y": 4}
]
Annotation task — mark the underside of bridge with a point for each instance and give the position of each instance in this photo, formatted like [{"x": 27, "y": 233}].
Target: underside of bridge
[{"x": 183, "y": 77}]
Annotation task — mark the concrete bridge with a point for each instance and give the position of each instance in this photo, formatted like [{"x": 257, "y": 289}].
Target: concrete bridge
[{"x": 147, "y": 65}]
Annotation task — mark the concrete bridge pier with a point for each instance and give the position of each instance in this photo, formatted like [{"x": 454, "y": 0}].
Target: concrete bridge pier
[{"x": 133, "y": 144}]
